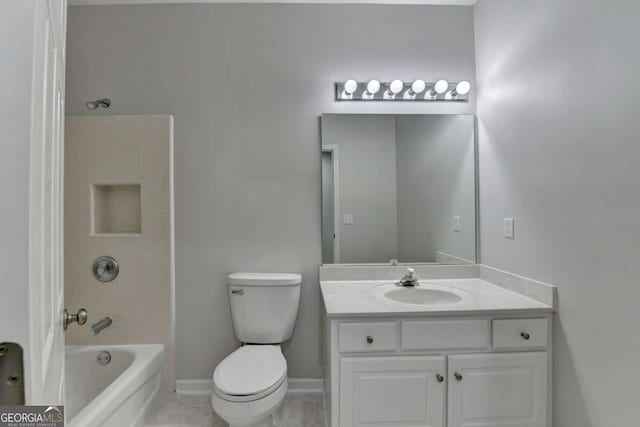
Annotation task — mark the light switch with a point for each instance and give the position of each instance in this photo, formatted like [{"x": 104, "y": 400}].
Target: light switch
[
  {"x": 347, "y": 219},
  {"x": 508, "y": 228},
  {"x": 456, "y": 223}
]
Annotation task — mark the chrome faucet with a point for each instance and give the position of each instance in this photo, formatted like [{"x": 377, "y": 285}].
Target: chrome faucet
[
  {"x": 409, "y": 278},
  {"x": 101, "y": 324}
]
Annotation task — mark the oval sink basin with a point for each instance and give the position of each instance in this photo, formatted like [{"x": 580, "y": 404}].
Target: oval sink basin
[{"x": 422, "y": 294}]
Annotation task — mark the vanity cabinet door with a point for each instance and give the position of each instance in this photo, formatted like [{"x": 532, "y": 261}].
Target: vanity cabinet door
[
  {"x": 504, "y": 389},
  {"x": 392, "y": 391}
]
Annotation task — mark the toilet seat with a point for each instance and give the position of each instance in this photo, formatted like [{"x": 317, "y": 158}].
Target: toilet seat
[{"x": 250, "y": 373}]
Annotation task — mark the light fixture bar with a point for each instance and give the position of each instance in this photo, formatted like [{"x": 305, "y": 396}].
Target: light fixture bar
[{"x": 397, "y": 90}]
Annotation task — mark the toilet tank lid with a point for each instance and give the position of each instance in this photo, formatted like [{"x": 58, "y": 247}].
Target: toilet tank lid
[{"x": 265, "y": 279}]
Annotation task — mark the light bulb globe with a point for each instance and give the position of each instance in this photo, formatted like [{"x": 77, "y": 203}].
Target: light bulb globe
[
  {"x": 463, "y": 87},
  {"x": 350, "y": 86},
  {"x": 418, "y": 86},
  {"x": 396, "y": 86},
  {"x": 441, "y": 86},
  {"x": 373, "y": 86}
]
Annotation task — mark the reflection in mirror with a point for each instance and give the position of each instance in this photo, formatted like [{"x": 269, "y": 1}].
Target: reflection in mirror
[{"x": 398, "y": 188}]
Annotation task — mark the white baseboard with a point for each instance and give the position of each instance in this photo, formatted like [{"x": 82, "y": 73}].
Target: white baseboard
[
  {"x": 305, "y": 385},
  {"x": 204, "y": 387},
  {"x": 201, "y": 387}
]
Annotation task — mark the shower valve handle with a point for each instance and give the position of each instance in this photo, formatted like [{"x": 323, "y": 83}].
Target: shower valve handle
[{"x": 80, "y": 318}]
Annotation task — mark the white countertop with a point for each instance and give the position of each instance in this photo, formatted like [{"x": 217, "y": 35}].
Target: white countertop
[{"x": 357, "y": 298}]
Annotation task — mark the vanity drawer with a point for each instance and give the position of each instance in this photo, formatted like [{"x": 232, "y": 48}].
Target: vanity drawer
[
  {"x": 445, "y": 334},
  {"x": 367, "y": 337},
  {"x": 519, "y": 333}
]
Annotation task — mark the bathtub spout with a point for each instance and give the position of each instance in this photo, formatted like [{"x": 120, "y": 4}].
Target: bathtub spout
[{"x": 97, "y": 327}]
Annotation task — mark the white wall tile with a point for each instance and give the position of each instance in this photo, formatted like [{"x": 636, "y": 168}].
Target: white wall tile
[{"x": 109, "y": 150}]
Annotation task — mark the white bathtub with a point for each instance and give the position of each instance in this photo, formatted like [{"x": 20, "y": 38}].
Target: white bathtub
[{"x": 118, "y": 394}]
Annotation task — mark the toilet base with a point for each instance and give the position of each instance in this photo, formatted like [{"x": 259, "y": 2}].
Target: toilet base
[
  {"x": 270, "y": 421},
  {"x": 256, "y": 413}
]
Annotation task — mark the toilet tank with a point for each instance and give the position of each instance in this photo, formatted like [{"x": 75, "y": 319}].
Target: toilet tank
[{"x": 264, "y": 306}]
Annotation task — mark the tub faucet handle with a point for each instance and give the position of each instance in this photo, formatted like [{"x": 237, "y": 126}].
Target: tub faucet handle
[{"x": 80, "y": 318}]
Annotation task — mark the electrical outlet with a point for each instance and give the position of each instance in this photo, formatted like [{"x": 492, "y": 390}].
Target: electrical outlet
[
  {"x": 508, "y": 228},
  {"x": 347, "y": 219},
  {"x": 456, "y": 223}
]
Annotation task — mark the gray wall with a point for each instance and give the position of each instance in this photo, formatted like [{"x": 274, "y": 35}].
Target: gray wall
[
  {"x": 246, "y": 84},
  {"x": 366, "y": 185},
  {"x": 436, "y": 181},
  {"x": 559, "y": 152}
]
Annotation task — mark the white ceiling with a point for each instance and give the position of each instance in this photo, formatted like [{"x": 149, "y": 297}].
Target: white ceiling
[{"x": 397, "y": 2}]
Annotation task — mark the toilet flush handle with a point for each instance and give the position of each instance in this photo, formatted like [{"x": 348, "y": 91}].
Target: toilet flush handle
[{"x": 237, "y": 291}]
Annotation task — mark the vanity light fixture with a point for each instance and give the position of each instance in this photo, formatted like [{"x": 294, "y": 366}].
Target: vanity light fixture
[
  {"x": 397, "y": 90},
  {"x": 395, "y": 87},
  {"x": 372, "y": 88}
]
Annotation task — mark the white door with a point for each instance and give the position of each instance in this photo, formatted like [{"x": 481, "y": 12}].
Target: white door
[
  {"x": 46, "y": 205},
  {"x": 34, "y": 143},
  {"x": 396, "y": 391},
  {"x": 504, "y": 389}
]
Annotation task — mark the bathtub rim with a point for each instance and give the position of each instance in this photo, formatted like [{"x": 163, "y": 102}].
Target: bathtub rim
[{"x": 148, "y": 359}]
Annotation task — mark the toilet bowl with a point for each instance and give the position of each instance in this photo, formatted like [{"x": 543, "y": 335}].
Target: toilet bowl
[
  {"x": 250, "y": 383},
  {"x": 258, "y": 413}
]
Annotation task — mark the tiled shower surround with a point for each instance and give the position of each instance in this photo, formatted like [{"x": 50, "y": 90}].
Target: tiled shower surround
[{"x": 118, "y": 202}]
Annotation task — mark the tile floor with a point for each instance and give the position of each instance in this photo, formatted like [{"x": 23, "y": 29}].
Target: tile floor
[{"x": 298, "y": 410}]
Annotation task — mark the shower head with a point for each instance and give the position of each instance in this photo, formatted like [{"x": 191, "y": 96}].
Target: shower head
[{"x": 103, "y": 102}]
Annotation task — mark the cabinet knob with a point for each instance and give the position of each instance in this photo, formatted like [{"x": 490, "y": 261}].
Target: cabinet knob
[
  {"x": 525, "y": 335},
  {"x": 458, "y": 376},
  {"x": 369, "y": 339},
  {"x": 439, "y": 378}
]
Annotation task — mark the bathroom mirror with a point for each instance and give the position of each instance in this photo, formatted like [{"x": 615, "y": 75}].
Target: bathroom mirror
[{"x": 398, "y": 189}]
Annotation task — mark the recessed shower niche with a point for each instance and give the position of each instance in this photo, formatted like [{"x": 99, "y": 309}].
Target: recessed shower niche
[{"x": 116, "y": 209}]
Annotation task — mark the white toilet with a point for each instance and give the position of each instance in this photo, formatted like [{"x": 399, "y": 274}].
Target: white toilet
[{"x": 251, "y": 382}]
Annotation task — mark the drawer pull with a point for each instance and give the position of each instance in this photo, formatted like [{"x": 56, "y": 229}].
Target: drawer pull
[
  {"x": 458, "y": 376},
  {"x": 439, "y": 378},
  {"x": 369, "y": 339},
  {"x": 525, "y": 335}
]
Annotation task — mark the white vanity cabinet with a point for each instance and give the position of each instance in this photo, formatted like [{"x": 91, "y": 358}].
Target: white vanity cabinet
[
  {"x": 497, "y": 389},
  {"x": 392, "y": 391},
  {"x": 482, "y": 371}
]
